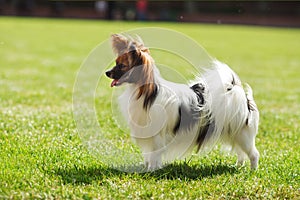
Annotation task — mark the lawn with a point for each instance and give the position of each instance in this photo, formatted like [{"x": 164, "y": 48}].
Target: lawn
[{"x": 43, "y": 157}]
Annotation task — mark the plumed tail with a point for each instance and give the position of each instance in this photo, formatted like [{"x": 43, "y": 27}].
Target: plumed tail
[
  {"x": 253, "y": 114},
  {"x": 249, "y": 95}
]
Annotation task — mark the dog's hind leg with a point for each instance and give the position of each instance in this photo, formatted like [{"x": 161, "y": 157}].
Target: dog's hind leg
[{"x": 246, "y": 141}]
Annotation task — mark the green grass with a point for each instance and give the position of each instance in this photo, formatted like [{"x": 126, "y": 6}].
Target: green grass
[{"x": 42, "y": 156}]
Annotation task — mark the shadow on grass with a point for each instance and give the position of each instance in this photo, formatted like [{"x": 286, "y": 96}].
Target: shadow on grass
[
  {"x": 181, "y": 171},
  {"x": 186, "y": 171}
]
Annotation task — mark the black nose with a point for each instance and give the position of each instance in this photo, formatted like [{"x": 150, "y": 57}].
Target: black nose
[{"x": 108, "y": 73}]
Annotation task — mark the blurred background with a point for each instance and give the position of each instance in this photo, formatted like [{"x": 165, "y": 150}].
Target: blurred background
[{"x": 269, "y": 13}]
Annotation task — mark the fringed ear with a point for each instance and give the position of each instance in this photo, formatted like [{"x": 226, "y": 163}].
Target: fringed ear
[
  {"x": 119, "y": 43},
  {"x": 140, "y": 44}
]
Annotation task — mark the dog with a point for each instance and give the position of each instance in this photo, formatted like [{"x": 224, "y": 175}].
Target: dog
[{"x": 169, "y": 120}]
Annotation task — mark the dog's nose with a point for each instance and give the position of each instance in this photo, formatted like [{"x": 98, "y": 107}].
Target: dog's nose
[{"x": 108, "y": 73}]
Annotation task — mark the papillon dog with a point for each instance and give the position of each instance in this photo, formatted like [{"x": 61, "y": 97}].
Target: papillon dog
[{"x": 168, "y": 120}]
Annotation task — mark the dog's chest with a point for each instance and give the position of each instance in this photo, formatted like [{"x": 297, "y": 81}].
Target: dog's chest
[{"x": 132, "y": 109}]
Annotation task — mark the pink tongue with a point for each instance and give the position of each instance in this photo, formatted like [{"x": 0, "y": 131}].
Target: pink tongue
[{"x": 114, "y": 83}]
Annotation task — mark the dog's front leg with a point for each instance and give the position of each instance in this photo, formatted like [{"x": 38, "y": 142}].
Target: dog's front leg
[
  {"x": 152, "y": 152},
  {"x": 153, "y": 160}
]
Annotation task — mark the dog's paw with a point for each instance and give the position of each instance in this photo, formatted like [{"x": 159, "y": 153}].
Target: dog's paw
[{"x": 153, "y": 165}]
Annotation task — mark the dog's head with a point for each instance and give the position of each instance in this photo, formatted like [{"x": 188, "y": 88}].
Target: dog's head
[{"x": 133, "y": 63}]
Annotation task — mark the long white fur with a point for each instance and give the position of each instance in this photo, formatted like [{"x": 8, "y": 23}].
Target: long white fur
[
  {"x": 226, "y": 103},
  {"x": 152, "y": 129}
]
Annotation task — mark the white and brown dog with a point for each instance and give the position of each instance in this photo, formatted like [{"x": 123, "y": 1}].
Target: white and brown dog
[{"x": 168, "y": 120}]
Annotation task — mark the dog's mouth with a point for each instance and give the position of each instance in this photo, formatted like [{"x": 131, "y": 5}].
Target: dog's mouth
[
  {"x": 115, "y": 82},
  {"x": 119, "y": 79}
]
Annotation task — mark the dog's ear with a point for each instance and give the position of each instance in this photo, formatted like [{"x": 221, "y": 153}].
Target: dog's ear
[
  {"x": 140, "y": 44},
  {"x": 119, "y": 43}
]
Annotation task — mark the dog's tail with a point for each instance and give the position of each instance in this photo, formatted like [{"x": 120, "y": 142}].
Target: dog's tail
[
  {"x": 253, "y": 114},
  {"x": 228, "y": 103}
]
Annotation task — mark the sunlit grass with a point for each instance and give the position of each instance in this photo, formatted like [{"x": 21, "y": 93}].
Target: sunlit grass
[{"x": 41, "y": 155}]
